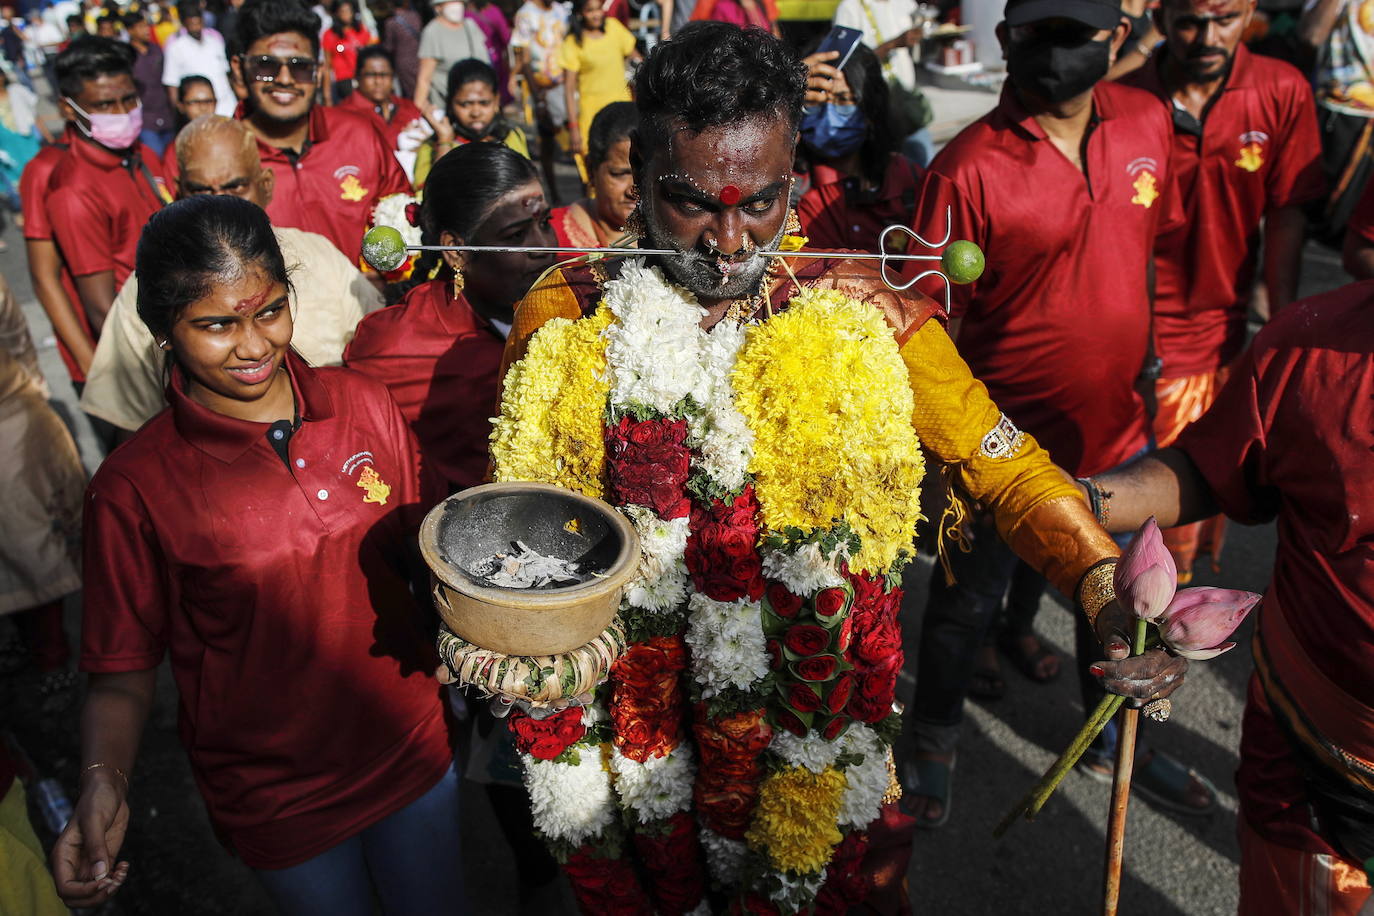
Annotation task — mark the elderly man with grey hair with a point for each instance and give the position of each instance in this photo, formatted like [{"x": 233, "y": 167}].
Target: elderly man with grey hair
[{"x": 218, "y": 155}]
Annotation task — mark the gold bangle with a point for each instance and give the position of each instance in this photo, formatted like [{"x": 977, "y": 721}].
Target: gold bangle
[
  {"x": 1095, "y": 589},
  {"x": 110, "y": 766}
]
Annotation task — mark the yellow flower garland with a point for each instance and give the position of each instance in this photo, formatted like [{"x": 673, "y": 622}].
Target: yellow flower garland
[
  {"x": 824, "y": 389},
  {"x": 795, "y": 821},
  {"x": 553, "y": 408}
]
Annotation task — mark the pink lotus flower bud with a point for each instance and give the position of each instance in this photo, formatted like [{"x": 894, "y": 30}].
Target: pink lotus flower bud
[
  {"x": 1198, "y": 621},
  {"x": 1146, "y": 577}
]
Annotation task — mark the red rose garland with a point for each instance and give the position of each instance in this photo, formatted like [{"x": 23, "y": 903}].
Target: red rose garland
[
  {"x": 548, "y": 738},
  {"x": 606, "y": 885},
  {"x": 647, "y": 463},
  {"x": 731, "y": 749},
  {"x": 722, "y": 548},
  {"x": 877, "y": 647},
  {"x": 647, "y": 700},
  {"x": 845, "y": 883},
  {"x": 674, "y": 859}
]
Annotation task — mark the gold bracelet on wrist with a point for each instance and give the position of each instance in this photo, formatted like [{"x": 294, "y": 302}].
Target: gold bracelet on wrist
[
  {"x": 110, "y": 766},
  {"x": 1095, "y": 589}
]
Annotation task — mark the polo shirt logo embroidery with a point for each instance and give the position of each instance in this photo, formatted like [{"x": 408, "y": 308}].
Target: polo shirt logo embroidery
[
  {"x": 374, "y": 489},
  {"x": 1146, "y": 185},
  {"x": 350, "y": 188},
  {"x": 1003, "y": 440},
  {"x": 1252, "y": 150}
]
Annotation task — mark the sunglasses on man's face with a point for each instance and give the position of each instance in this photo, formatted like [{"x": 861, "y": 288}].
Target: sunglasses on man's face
[{"x": 264, "y": 68}]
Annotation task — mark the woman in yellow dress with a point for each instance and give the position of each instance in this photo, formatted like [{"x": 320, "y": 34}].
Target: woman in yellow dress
[{"x": 593, "y": 59}]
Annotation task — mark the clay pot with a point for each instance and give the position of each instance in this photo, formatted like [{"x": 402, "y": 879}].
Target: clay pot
[{"x": 480, "y": 521}]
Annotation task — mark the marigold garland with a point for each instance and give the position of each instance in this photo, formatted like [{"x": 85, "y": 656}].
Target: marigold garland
[
  {"x": 824, "y": 452},
  {"x": 794, "y": 823},
  {"x": 550, "y": 428}
]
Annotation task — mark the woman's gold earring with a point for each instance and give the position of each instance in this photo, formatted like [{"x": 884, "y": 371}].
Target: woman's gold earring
[
  {"x": 793, "y": 225},
  {"x": 458, "y": 282}
]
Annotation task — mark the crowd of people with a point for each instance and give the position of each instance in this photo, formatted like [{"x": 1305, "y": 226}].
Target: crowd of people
[{"x": 278, "y": 415}]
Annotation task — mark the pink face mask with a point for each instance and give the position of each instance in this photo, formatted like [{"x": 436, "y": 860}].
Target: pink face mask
[{"x": 112, "y": 131}]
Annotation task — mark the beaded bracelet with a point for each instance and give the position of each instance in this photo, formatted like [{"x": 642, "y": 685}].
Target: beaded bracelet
[
  {"x": 110, "y": 766},
  {"x": 1099, "y": 500}
]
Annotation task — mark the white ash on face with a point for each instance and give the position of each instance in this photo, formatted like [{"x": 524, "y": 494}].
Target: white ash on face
[{"x": 525, "y": 568}]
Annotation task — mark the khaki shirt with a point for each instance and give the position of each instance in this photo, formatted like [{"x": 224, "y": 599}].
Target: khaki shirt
[{"x": 125, "y": 382}]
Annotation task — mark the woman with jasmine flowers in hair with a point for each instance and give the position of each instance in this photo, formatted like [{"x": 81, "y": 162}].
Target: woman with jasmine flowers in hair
[{"x": 761, "y": 423}]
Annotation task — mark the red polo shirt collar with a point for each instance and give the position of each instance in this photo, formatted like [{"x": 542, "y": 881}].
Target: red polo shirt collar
[
  {"x": 227, "y": 438},
  {"x": 87, "y": 150},
  {"x": 1241, "y": 77},
  {"x": 1010, "y": 110},
  {"x": 317, "y": 131}
]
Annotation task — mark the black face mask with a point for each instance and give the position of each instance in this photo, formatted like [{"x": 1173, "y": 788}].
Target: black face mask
[{"x": 1056, "y": 73}]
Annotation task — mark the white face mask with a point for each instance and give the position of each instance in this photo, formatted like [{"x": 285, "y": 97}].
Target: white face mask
[{"x": 454, "y": 12}]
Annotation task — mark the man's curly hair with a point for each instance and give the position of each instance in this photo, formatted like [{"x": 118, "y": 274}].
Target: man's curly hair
[{"x": 713, "y": 73}]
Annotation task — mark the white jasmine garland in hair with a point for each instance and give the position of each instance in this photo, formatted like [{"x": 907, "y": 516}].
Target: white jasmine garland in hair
[
  {"x": 570, "y": 802},
  {"x": 724, "y": 857},
  {"x": 813, "y": 752},
  {"x": 727, "y": 643},
  {"x": 867, "y": 781},
  {"x": 653, "y": 348},
  {"x": 659, "y": 787},
  {"x": 391, "y": 211},
  {"x": 805, "y": 570},
  {"x": 661, "y": 584}
]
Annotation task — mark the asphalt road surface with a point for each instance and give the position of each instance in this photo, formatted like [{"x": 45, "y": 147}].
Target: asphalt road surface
[{"x": 1174, "y": 865}]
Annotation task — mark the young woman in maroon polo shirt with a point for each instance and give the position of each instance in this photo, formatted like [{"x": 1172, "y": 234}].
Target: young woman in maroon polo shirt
[
  {"x": 260, "y": 531},
  {"x": 860, "y": 184},
  {"x": 439, "y": 349}
]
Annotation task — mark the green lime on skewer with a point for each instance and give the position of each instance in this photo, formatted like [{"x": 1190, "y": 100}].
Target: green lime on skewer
[
  {"x": 385, "y": 250},
  {"x": 962, "y": 261}
]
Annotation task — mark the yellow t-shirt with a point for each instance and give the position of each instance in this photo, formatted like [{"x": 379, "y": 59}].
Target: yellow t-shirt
[{"x": 599, "y": 62}]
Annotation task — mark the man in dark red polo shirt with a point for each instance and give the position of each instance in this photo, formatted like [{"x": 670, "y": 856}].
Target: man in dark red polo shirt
[
  {"x": 391, "y": 113},
  {"x": 332, "y": 165},
  {"x": 1246, "y": 151},
  {"x": 1064, "y": 186},
  {"x": 52, "y": 282},
  {"x": 108, "y": 184}
]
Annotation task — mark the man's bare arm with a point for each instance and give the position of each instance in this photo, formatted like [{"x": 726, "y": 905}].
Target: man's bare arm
[
  {"x": 1164, "y": 484},
  {"x": 45, "y": 270},
  {"x": 97, "y": 292},
  {"x": 1284, "y": 231}
]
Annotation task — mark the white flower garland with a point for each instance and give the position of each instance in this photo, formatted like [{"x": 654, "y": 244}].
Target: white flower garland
[
  {"x": 570, "y": 802},
  {"x": 727, "y": 643},
  {"x": 391, "y": 211},
  {"x": 867, "y": 781},
  {"x": 726, "y": 441},
  {"x": 661, "y": 584},
  {"x": 659, "y": 787},
  {"x": 805, "y": 570},
  {"x": 653, "y": 348},
  {"x": 812, "y": 752},
  {"x": 724, "y": 856}
]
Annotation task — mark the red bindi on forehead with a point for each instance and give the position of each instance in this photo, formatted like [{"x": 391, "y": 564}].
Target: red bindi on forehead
[{"x": 252, "y": 303}]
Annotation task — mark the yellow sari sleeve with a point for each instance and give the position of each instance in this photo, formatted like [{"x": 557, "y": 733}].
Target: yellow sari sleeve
[{"x": 1039, "y": 510}]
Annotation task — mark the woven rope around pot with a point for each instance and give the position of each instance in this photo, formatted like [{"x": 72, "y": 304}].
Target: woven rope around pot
[{"x": 539, "y": 680}]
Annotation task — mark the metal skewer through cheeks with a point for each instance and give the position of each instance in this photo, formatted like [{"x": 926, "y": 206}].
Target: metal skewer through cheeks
[{"x": 385, "y": 250}]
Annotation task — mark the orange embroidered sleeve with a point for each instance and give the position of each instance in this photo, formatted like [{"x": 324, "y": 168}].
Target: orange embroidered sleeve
[
  {"x": 552, "y": 297},
  {"x": 1039, "y": 510}
]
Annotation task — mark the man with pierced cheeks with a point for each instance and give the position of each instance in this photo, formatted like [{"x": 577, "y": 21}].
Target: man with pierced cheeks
[{"x": 719, "y": 109}]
